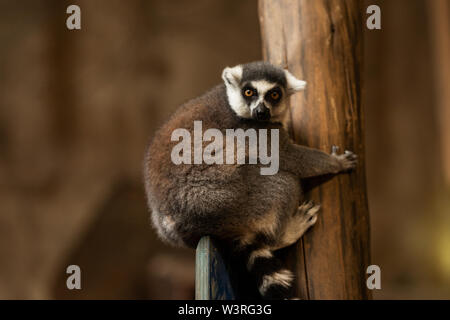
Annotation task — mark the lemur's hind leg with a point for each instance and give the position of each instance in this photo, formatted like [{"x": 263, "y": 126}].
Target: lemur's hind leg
[
  {"x": 274, "y": 281},
  {"x": 303, "y": 218}
]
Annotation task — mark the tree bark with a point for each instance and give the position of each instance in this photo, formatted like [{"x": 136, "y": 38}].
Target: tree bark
[{"x": 320, "y": 42}]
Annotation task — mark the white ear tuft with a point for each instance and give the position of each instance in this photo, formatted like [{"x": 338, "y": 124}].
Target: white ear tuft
[
  {"x": 232, "y": 76},
  {"x": 293, "y": 84}
]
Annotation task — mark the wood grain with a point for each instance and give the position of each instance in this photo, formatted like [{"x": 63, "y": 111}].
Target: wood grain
[{"x": 320, "y": 41}]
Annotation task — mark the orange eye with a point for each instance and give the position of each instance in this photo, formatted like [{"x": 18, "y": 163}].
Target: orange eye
[
  {"x": 248, "y": 93},
  {"x": 275, "y": 95}
]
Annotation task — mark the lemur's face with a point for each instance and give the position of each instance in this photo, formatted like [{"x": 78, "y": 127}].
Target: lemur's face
[{"x": 259, "y": 90}]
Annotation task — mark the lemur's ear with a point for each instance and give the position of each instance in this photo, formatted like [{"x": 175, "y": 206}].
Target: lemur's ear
[
  {"x": 293, "y": 84},
  {"x": 232, "y": 76}
]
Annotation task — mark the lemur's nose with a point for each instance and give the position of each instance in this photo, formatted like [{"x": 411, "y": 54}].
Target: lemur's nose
[{"x": 261, "y": 112}]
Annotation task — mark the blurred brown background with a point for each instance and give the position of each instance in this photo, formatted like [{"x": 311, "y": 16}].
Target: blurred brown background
[{"x": 77, "y": 109}]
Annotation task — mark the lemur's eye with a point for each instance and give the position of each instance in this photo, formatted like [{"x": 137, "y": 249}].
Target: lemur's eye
[
  {"x": 248, "y": 92},
  {"x": 275, "y": 95}
]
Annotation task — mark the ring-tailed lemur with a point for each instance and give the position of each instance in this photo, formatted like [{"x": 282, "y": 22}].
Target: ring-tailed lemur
[{"x": 255, "y": 214}]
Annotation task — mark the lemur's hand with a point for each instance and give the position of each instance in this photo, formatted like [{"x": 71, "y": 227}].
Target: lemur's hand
[{"x": 348, "y": 160}]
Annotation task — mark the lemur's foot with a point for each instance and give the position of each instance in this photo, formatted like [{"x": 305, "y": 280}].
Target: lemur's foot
[
  {"x": 307, "y": 214},
  {"x": 348, "y": 160}
]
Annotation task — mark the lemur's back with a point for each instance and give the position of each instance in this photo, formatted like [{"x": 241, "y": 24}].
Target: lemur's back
[{"x": 186, "y": 192}]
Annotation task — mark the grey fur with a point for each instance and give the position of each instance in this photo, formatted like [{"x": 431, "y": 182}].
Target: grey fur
[{"x": 262, "y": 70}]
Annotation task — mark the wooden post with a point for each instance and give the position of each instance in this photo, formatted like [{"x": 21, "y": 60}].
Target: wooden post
[
  {"x": 212, "y": 281},
  {"x": 320, "y": 41},
  {"x": 220, "y": 275}
]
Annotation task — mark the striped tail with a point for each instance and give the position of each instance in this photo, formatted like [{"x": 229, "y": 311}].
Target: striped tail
[{"x": 273, "y": 280}]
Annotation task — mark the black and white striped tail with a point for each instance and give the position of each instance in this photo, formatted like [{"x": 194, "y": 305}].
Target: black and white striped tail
[{"x": 273, "y": 280}]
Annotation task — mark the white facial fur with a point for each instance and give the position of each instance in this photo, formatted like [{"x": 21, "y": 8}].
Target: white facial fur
[
  {"x": 232, "y": 78},
  {"x": 262, "y": 86}
]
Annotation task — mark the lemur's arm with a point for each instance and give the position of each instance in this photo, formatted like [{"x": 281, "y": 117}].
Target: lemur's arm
[{"x": 307, "y": 162}]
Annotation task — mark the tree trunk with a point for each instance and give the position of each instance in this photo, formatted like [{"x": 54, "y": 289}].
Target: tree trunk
[{"x": 320, "y": 42}]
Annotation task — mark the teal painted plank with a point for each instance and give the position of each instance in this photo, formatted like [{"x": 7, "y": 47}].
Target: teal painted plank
[
  {"x": 212, "y": 281},
  {"x": 202, "y": 270}
]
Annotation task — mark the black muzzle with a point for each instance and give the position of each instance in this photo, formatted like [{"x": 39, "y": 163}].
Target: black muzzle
[{"x": 261, "y": 112}]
